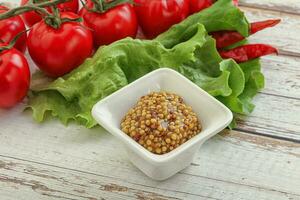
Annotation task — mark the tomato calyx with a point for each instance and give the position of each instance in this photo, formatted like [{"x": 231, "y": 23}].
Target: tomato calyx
[
  {"x": 101, "y": 6},
  {"x": 52, "y": 19}
]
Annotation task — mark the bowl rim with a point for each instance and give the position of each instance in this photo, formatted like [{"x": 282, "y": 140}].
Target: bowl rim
[{"x": 135, "y": 146}]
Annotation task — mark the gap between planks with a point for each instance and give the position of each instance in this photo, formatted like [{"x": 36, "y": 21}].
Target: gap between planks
[
  {"x": 277, "y": 137},
  {"x": 36, "y": 169},
  {"x": 106, "y": 187}
]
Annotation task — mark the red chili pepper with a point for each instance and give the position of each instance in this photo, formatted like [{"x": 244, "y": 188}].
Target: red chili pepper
[
  {"x": 258, "y": 26},
  {"x": 248, "y": 52},
  {"x": 227, "y": 38}
]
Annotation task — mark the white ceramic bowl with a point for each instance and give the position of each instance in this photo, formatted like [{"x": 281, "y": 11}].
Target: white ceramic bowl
[{"x": 214, "y": 117}]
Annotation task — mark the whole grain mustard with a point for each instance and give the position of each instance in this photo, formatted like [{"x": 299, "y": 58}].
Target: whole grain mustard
[{"x": 161, "y": 122}]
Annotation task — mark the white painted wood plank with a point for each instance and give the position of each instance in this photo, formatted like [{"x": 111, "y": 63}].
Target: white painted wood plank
[
  {"x": 25, "y": 180},
  {"x": 282, "y": 74},
  {"x": 234, "y": 166},
  {"x": 289, "y": 6},
  {"x": 273, "y": 115}
]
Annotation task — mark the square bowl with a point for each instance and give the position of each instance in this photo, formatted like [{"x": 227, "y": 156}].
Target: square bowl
[{"x": 213, "y": 115}]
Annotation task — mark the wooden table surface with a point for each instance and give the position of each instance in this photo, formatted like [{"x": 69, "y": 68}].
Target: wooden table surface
[{"x": 259, "y": 160}]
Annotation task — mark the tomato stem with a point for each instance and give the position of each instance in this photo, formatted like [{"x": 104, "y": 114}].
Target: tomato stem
[
  {"x": 52, "y": 19},
  {"x": 39, "y": 7},
  {"x": 101, "y": 6}
]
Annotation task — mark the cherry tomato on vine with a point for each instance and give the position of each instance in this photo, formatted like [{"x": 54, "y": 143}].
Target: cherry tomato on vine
[
  {"x": 158, "y": 16},
  {"x": 111, "y": 25},
  {"x": 57, "y": 51},
  {"x": 32, "y": 17},
  {"x": 10, "y": 27},
  {"x": 14, "y": 77}
]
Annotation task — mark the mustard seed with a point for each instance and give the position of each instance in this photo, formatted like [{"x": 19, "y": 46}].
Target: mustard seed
[
  {"x": 148, "y": 123},
  {"x": 153, "y": 121},
  {"x": 158, "y": 150},
  {"x": 168, "y": 140},
  {"x": 148, "y": 142},
  {"x": 150, "y": 149},
  {"x": 173, "y": 136},
  {"x": 151, "y": 137}
]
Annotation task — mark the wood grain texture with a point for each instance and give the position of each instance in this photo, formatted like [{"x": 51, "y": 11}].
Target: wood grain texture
[
  {"x": 282, "y": 76},
  {"x": 35, "y": 181},
  {"x": 288, "y": 6},
  {"x": 52, "y": 161},
  {"x": 274, "y": 116}
]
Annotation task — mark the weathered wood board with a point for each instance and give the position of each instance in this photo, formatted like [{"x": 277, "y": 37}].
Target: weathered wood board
[{"x": 50, "y": 161}]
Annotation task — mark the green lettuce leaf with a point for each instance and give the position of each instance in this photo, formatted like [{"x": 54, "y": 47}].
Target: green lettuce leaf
[
  {"x": 73, "y": 96},
  {"x": 186, "y": 47},
  {"x": 254, "y": 81}
]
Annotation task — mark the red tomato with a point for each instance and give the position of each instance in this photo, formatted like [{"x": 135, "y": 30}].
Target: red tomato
[
  {"x": 32, "y": 17},
  {"x": 197, "y": 5},
  {"x": 10, "y": 27},
  {"x": 158, "y": 16},
  {"x": 14, "y": 77},
  {"x": 58, "y": 51},
  {"x": 115, "y": 24}
]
